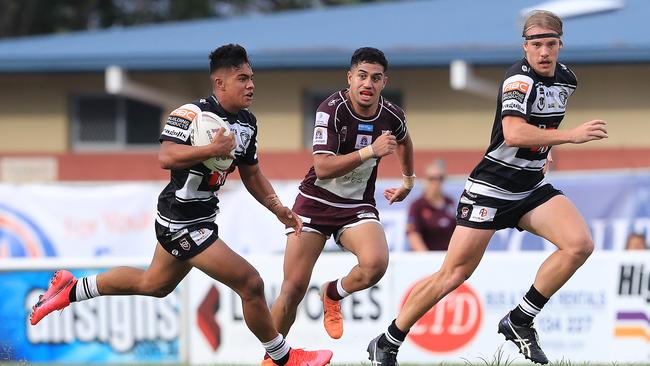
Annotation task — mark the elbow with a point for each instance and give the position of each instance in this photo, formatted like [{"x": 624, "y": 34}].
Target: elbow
[
  {"x": 322, "y": 173},
  {"x": 165, "y": 161},
  {"x": 511, "y": 141}
]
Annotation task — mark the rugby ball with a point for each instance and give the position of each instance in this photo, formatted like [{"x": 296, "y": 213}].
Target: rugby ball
[{"x": 205, "y": 127}]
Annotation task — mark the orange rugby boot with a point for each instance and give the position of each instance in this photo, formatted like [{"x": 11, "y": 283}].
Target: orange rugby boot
[
  {"x": 332, "y": 317},
  {"x": 55, "y": 298},
  {"x": 300, "y": 357}
]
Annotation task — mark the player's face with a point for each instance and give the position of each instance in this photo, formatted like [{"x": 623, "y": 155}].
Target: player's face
[
  {"x": 366, "y": 82},
  {"x": 542, "y": 53},
  {"x": 235, "y": 87}
]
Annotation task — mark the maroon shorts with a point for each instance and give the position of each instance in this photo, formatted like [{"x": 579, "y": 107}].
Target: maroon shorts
[{"x": 328, "y": 220}]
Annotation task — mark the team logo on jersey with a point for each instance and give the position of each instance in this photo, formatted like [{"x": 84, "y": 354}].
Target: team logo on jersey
[
  {"x": 563, "y": 98},
  {"x": 363, "y": 141},
  {"x": 321, "y": 119},
  {"x": 540, "y": 103},
  {"x": 320, "y": 136},
  {"x": 245, "y": 138},
  {"x": 365, "y": 127}
]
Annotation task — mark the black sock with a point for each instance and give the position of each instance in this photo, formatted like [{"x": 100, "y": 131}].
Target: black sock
[
  {"x": 73, "y": 293},
  {"x": 393, "y": 336},
  {"x": 283, "y": 360},
  {"x": 528, "y": 308}
]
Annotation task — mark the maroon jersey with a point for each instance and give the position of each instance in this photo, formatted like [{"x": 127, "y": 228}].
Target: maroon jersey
[
  {"x": 339, "y": 131},
  {"x": 433, "y": 224}
]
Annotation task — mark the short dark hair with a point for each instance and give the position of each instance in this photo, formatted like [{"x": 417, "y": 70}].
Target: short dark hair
[
  {"x": 369, "y": 55},
  {"x": 230, "y": 55}
]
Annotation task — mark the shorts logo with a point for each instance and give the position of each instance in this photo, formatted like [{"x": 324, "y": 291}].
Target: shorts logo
[
  {"x": 482, "y": 214},
  {"x": 175, "y": 252},
  {"x": 464, "y": 212},
  {"x": 184, "y": 243},
  {"x": 322, "y": 119},
  {"x": 201, "y": 235},
  {"x": 366, "y": 215},
  {"x": 363, "y": 141},
  {"x": 320, "y": 136}
]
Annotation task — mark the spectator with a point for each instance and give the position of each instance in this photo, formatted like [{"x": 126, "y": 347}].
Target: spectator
[
  {"x": 636, "y": 241},
  {"x": 432, "y": 217}
]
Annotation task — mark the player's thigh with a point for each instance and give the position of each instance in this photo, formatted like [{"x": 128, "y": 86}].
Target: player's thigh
[
  {"x": 224, "y": 265},
  {"x": 165, "y": 271},
  {"x": 558, "y": 221},
  {"x": 466, "y": 248},
  {"x": 300, "y": 256},
  {"x": 367, "y": 241}
]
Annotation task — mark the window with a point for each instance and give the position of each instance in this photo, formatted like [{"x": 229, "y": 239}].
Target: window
[
  {"x": 105, "y": 121},
  {"x": 313, "y": 99}
]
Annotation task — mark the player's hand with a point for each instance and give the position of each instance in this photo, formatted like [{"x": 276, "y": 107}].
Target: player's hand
[
  {"x": 289, "y": 218},
  {"x": 222, "y": 145},
  {"x": 385, "y": 144},
  {"x": 549, "y": 161},
  {"x": 589, "y": 131},
  {"x": 396, "y": 194}
]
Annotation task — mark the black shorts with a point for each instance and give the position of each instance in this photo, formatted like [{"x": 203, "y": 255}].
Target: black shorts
[
  {"x": 187, "y": 242},
  {"x": 328, "y": 220},
  {"x": 494, "y": 213}
]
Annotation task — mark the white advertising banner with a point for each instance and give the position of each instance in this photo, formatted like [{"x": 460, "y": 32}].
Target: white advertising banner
[{"x": 601, "y": 315}]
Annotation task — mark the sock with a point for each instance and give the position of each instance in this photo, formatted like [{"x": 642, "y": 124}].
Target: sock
[
  {"x": 84, "y": 289},
  {"x": 528, "y": 308},
  {"x": 394, "y": 336},
  {"x": 335, "y": 290},
  {"x": 278, "y": 349}
]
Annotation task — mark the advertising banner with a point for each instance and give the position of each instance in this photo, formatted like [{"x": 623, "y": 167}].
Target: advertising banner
[
  {"x": 117, "y": 329},
  {"x": 117, "y": 220},
  {"x": 600, "y": 315}
]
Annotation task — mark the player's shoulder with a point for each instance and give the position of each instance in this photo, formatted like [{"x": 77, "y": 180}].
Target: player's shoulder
[
  {"x": 520, "y": 70},
  {"x": 331, "y": 103},
  {"x": 393, "y": 109},
  {"x": 565, "y": 75}
]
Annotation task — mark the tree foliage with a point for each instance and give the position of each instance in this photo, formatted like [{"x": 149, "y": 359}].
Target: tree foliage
[{"x": 31, "y": 17}]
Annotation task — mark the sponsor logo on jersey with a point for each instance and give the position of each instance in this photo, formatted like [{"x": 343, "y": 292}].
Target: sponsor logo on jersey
[
  {"x": 175, "y": 132},
  {"x": 363, "y": 141},
  {"x": 514, "y": 94},
  {"x": 517, "y": 85},
  {"x": 365, "y": 127},
  {"x": 332, "y": 102},
  {"x": 184, "y": 113},
  {"x": 525, "y": 68},
  {"x": 482, "y": 214},
  {"x": 181, "y": 123},
  {"x": 321, "y": 119},
  {"x": 320, "y": 136},
  {"x": 513, "y": 105}
]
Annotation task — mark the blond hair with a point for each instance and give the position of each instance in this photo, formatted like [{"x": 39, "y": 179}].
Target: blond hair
[{"x": 543, "y": 19}]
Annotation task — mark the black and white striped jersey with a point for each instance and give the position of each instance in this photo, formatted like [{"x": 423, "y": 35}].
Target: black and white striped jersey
[
  {"x": 191, "y": 195},
  {"x": 511, "y": 173}
]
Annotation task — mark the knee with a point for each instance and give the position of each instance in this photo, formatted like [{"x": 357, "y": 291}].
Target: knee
[
  {"x": 253, "y": 287},
  {"x": 581, "y": 247},
  {"x": 374, "y": 270}
]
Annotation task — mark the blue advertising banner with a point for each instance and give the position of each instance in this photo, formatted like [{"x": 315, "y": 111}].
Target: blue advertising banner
[{"x": 115, "y": 329}]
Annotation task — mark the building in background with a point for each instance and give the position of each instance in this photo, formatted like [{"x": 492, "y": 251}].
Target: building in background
[{"x": 59, "y": 122}]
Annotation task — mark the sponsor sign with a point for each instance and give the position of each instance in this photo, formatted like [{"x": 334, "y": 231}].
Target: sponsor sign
[{"x": 120, "y": 329}]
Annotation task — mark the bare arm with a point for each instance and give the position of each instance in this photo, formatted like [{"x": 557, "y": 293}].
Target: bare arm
[
  {"x": 405, "y": 156},
  {"x": 416, "y": 242},
  {"x": 260, "y": 188},
  {"x": 517, "y": 132},
  {"x": 178, "y": 156},
  {"x": 329, "y": 166}
]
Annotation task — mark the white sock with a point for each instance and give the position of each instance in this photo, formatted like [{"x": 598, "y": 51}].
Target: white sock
[
  {"x": 277, "y": 347},
  {"x": 340, "y": 289},
  {"x": 87, "y": 288}
]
